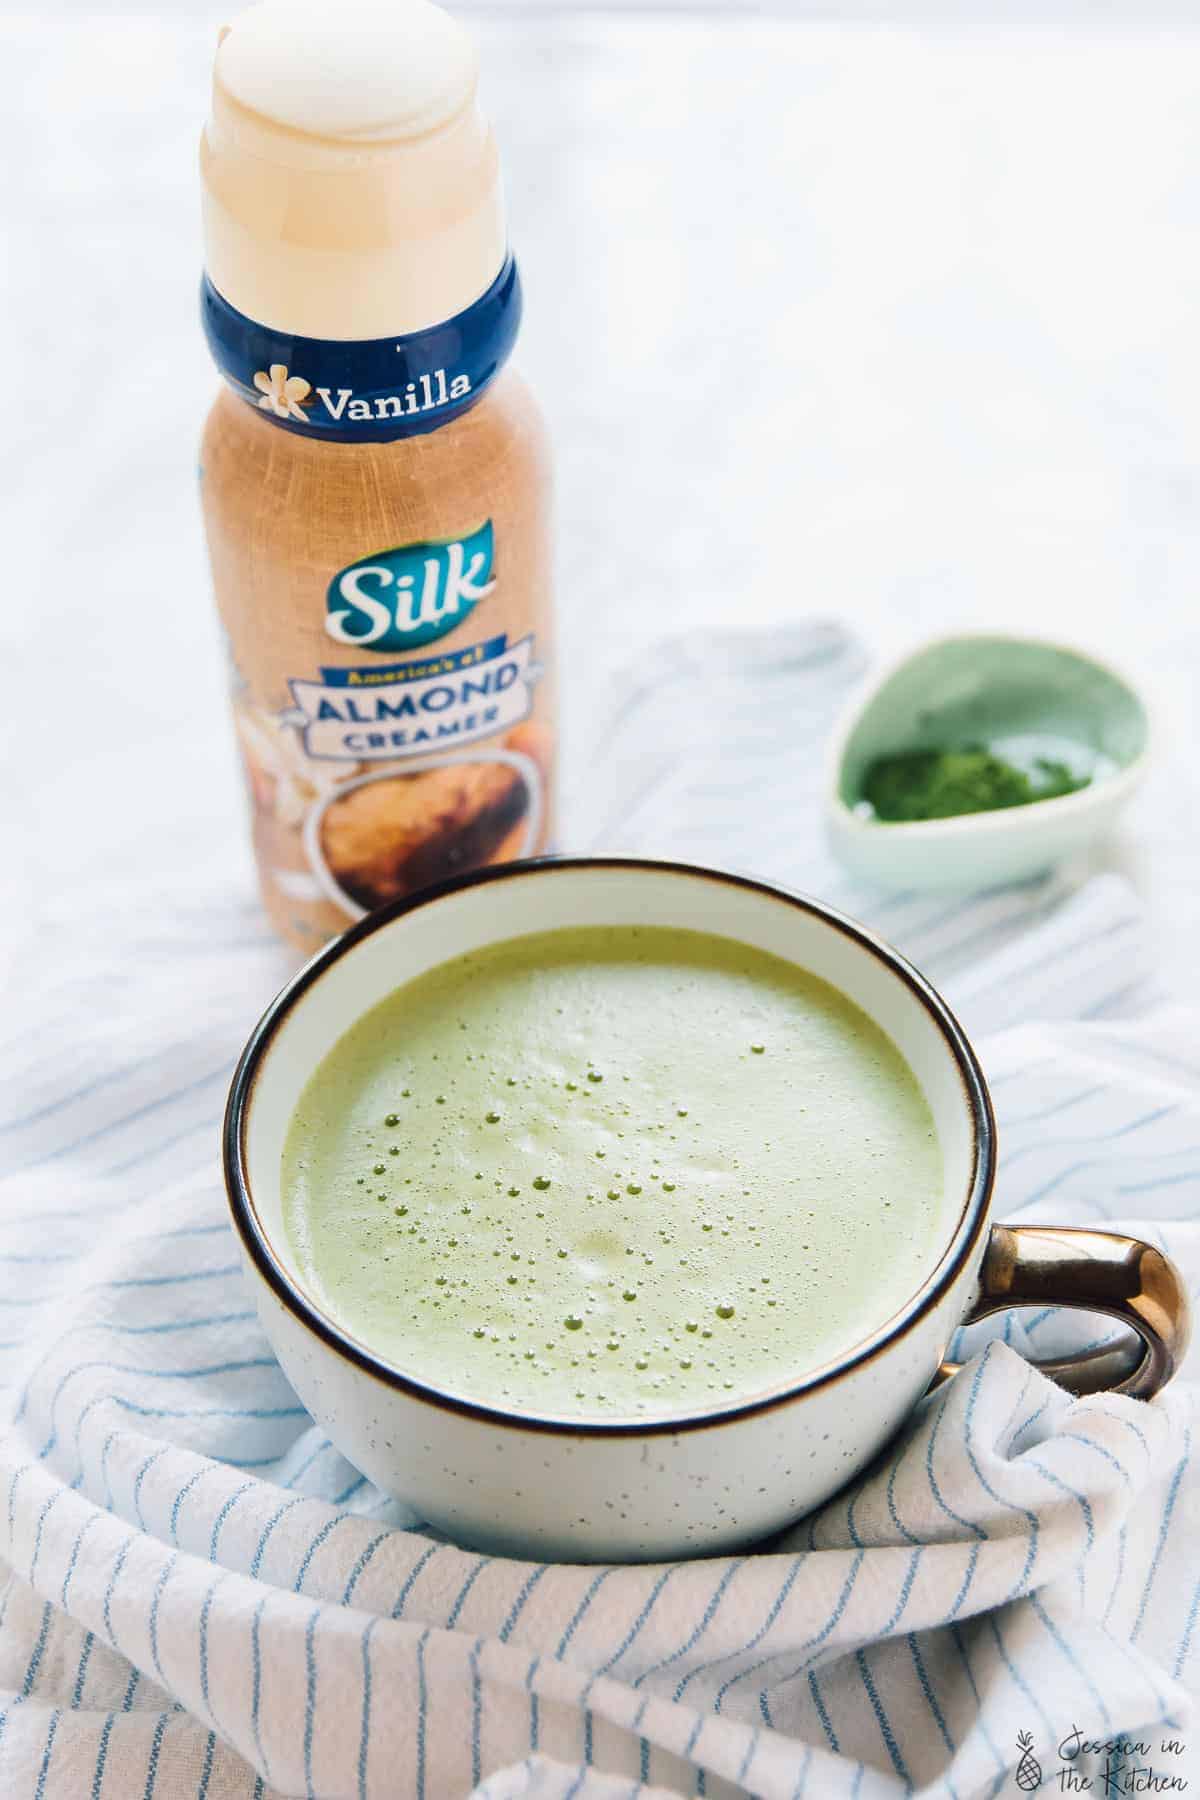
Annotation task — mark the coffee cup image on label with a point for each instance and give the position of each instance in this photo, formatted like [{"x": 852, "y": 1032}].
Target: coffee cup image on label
[{"x": 379, "y": 836}]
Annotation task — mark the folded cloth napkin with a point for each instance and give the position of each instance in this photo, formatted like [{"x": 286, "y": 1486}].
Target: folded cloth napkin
[{"x": 201, "y": 1597}]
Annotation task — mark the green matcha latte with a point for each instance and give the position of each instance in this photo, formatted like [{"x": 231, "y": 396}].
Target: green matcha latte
[{"x": 611, "y": 1172}]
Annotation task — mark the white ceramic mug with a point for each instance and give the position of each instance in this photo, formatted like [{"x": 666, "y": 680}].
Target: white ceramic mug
[{"x": 702, "y": 1482}]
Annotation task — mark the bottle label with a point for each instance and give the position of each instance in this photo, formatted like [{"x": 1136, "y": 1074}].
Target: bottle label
[
  {"x": 386, "y": 773},
  {"x": 369, "y": 715},
  {"x": 399, "y": 599},
  {"x": 366, "y": 390}
]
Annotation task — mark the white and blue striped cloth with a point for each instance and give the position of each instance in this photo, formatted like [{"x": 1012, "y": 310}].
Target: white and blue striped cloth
[{"x": 200, "y": 1597}]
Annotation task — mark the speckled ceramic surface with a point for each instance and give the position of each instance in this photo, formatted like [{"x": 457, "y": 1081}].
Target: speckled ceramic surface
[
  {"x": 979, "y": 688},
  {"x": 631, "y": 1488}
]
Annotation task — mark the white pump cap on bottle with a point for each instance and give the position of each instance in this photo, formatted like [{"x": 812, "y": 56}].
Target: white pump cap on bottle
[{"x": 351, "y": 183}]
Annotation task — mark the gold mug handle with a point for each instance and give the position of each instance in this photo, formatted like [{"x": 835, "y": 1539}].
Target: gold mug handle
[{"x": 1095, "y": 1271}]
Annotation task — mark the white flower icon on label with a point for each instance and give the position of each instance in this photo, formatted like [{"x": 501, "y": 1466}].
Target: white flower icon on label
[{"x": 282, "y": 393}]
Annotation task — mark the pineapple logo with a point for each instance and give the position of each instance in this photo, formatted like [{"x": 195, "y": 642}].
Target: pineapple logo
[{"x": 1029, "y": 1769}]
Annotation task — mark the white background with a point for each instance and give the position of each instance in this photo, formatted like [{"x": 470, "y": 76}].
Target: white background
[{"x": 894, "y": 321}]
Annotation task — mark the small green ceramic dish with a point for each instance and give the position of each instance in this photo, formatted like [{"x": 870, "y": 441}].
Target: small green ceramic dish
[{"x": 988, "y": 690}]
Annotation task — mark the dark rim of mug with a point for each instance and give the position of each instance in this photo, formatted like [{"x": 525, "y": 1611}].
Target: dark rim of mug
[{"x": 970, "y": 1223}]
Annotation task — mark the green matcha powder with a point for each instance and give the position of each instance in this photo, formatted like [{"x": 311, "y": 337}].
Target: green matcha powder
[{"x": 944, "y": 784}]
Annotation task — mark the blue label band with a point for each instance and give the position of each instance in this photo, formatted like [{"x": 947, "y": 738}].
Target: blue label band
[{"x": 368, "y": 390}]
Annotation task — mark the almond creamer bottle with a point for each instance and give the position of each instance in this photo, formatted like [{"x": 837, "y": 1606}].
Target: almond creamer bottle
[{"x": 374, "y": 476}]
